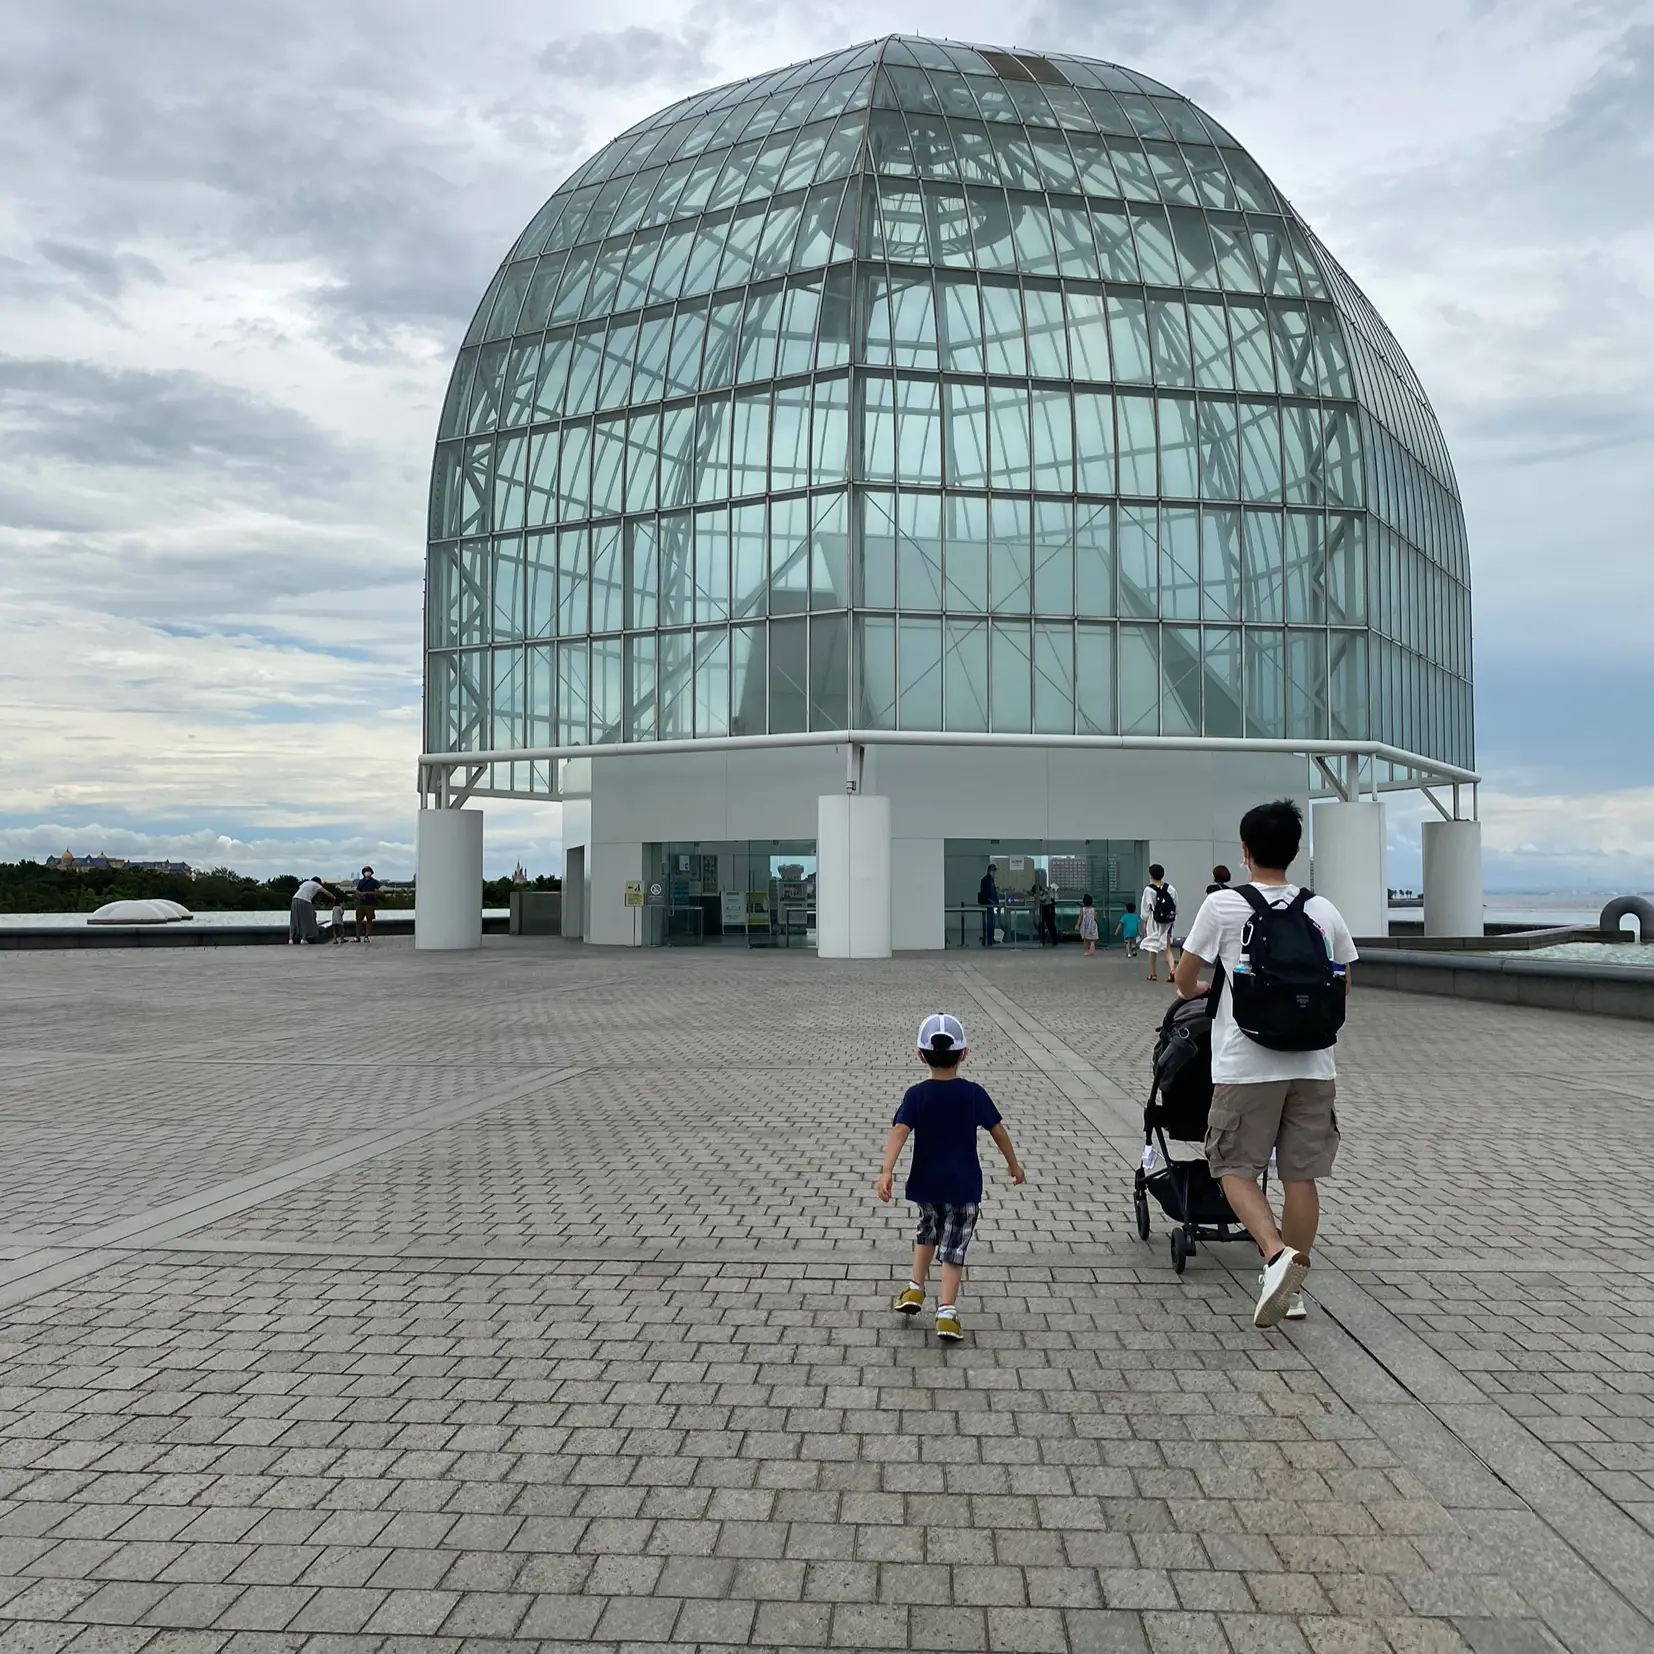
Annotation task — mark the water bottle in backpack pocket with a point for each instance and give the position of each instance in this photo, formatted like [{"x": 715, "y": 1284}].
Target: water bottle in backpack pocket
[{"x": 1285, "y": 994}]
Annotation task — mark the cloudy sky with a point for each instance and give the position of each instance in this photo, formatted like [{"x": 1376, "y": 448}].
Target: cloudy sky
[{"x": 239, "y": 245}]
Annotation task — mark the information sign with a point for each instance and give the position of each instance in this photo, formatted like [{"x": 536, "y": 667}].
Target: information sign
[{"x": 634, "y": 893}]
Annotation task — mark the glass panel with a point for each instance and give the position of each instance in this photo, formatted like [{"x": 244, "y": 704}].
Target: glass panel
[
  {"x": 1088, "y": 334},
  {"x": 1047, "y": 335},
  {"x": 967, "y": 436},
  {"x": 1347, "y": 674},
  {"x": 1219, "y": 450},
  {"x": 1254, "y": 369},
  {"x": 1139, "y": 680},
  {"x": 748, "y": 563},
  {"x": 918, "y": 551},
  {"x": 1180, "y": 689},
  {"x": 608, "y": 454},
  {"x": 677, "y": 570},
  {"x": 1342, "y": 457},
  {"x": 641, "y": 721},
  {"x": 1178, "y": 447},
  {"x": 1076, "y": 249},
  {"x": 760, "y": 334},
  {"x": 912, "y": 322},
  {"x": 749, "y": 446},
  {"x": 1210, "y": 333},
  {"x": 1306, "y": 684},
  {"x": 789, "y": 556},
  {"x": 684, "y": 371},
  {"x": 962, "y": 338},
  {"x": 789, "y": 654},
  {"x": 1305, "y": 569},
  {"x": 607, "y": 590},
  {"x": 790, "y": 438},
  {"x": 718, "y": 361},
  {"x": 1094, "y": 680},
  {"x": 1346, "y": 570},
  {"x": 1179, "y": 564},
  {"x": 1094, "y": 441},
  {"x": 876, "y": 587},
  {"x": 1221, "y": 662},
  {"x": 506, "y": 605},
  {"x": 829, "y": 671},
  {"x": 712, "y": 683},
  {"x": 677, "y": 685},
  {"x": 920, "y": 643},
  {"x": 1221, "y": 564},
  {"x": 1053, "y": 440},
  {"x": 642, "y": 573},
  {"x": 521, "y": 375},
  {"x": 1139, "y": 561},
  {"x": 919, "y": 432},
  {"x": 1008, "y": 421},
  {"x": 712, "y": 565},
  {"x": 1137, "y": 455},
  {"x": 642, "y": 460},
  {"x": 1260, "y": 434},
  {"x": 965, "y": 674},
  {"x": 574, "y": 472},
  {"x": 967, "y": 554},
  {"x": 878, "y": 462},
  {"x": 748, "y": 687},
  {"x": 1265, "y": 672},
  {"x": 1053, "y": 557},
  {"x": 541, "y": 575},
  {"x": 712, "y": 439},
  {"x": 1128, "y": 327},
  {"x": 876, "y": 641},
  {"x": 510, "y": 462},
  {"x": 1094, "y": 561},
  {"x": 606, "y": 689},
  {"x": 1169, "y": 341},
  {"x": 1002, "y": 311},
  {"x": 798, "y": 328},
  {"x": 1008, "y": 582},
  {"x": 572, "y": 671},
  {"x": 1053, "y": 665},
  {"x": 1154, "y": 246},
  {"x": 1116, "y": 252},
  {"x": 1012, "y": 690},
  {"x": 829, "y": 552},
  {"x": 830, "y": 431},
  {"x": 1264, "y": 587}
]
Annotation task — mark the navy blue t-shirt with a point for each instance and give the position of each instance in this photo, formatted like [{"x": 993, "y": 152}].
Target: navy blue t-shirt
[{"x": 944, "y": 1117}]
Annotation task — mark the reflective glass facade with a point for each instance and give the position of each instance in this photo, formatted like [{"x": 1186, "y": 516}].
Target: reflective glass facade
[{"x": 932, "y": 387}]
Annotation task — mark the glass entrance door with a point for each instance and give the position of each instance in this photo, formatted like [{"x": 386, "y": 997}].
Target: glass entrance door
[
  {"x": 754, "y": 893},
  {"x": 1032, "y": 875}
]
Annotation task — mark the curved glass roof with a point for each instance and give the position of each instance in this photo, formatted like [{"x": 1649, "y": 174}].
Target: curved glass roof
[{"x": 964, "y": 271}]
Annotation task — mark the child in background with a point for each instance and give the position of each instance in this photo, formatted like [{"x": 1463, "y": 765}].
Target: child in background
[
  {"x": 1088, "y": 925},
  {"x": 338, "y": 921},
  {"x": 944, "y": 1114},
  {"x": 1126, "y": 930}
]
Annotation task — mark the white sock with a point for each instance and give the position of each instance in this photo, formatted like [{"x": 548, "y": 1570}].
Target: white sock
[
  {"x": 916, "y": 1286},
  {"x": 945, "y": 1309}
]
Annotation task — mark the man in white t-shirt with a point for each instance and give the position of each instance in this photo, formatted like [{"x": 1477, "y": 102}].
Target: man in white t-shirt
[
  {"x": 301, "y": 916},
  {"x": 1264, "y": 1099},
  {"x": 1157, "y": 936}
]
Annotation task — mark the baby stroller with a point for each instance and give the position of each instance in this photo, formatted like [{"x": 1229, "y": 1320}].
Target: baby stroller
[{"x": 1179, "y": 1102}]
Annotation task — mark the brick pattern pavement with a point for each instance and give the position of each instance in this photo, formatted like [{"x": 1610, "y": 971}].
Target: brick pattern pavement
[{"x": 607, "y": 1363}]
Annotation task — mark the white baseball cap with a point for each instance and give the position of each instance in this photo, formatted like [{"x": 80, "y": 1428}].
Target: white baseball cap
[{"x": 940, "y": 1024}]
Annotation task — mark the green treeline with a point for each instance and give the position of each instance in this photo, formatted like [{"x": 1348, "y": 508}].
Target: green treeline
[{"x": 42, "y": 887}]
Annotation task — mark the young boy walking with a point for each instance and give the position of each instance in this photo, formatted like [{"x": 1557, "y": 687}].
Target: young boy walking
[
  {"x": 1126, "y": 930},
  {"x": 943, "y": 1115}
]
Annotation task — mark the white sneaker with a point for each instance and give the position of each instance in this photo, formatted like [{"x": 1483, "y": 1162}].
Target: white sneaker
[
  {"x": 1295, "y": 1310},
  {"x": 1279, "y": 1284}
]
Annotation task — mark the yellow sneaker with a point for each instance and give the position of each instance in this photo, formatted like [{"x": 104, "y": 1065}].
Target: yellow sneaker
[
  {"x": 909, "y": 1301},
  {"x": 948, "y": 1325}
]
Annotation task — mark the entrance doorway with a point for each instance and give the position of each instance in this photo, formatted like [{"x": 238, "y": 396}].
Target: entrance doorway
[
  {"x": 751, "y": 893},
  {"x": 1111, "y": 871}
]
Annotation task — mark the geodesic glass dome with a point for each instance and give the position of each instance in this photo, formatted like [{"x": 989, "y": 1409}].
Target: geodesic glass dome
[{"x": 936, "y": 387}]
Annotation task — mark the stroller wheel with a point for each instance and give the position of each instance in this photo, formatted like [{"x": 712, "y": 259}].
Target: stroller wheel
[
  {"x": 1180, "y": 1250},
  {"x": 1141, "y": 1202}
]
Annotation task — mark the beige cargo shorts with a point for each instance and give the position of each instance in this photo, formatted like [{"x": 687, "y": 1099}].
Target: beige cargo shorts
[{"x": 1295, "y": 1118}]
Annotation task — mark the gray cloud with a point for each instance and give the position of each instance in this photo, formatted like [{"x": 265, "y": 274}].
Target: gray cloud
[
  {"x": 107, "y": 275},
  {"x": 92, "y": 415},
  {"x": 625, "y": 56}
]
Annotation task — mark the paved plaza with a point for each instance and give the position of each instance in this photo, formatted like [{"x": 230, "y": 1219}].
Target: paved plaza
[{"x": 358, "y": 1301}]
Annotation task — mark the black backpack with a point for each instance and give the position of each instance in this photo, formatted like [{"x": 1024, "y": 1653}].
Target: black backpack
[
  {"x": 1165, "y": 905},
  {"x": 1285, "y": 995}
]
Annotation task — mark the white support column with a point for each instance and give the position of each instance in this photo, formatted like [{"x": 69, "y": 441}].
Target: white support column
[
  {"x": 853, "y": 876},
  {"x": 1453, "y": 878},
  {"x": 448, "y": 879},
  {"x": 1349, "y": 864}
]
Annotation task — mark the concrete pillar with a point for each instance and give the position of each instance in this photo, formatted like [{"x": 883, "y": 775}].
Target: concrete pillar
[
  {"x": 448, "y": 879},
  {"x": 853, "y": 876},
  {"x": 1349, "y": 864},
  {"x": 1453, "y": 878},
  {"x": 574, "y": 892}
]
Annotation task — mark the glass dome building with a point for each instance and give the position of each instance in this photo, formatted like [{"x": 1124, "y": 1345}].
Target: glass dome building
[{"x": 933, "y": 389}]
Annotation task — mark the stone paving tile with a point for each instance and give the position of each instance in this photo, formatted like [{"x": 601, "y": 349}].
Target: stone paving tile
[{"x": 634, "y": 1382}]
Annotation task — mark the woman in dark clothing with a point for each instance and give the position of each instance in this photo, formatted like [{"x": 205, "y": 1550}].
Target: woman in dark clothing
[{"x": 1220, "y": 879}]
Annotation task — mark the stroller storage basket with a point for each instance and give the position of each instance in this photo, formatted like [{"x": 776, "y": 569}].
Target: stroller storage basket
[{"x": 1187, "y": 1192}]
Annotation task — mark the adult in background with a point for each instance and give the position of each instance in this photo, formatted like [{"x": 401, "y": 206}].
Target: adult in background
[
  {"x": 1159, "y": 910},
  {"x": 367, "y": 894},
  {"x": 1221, "y": 879},
  {"x": 1284, "y": 954},
  {"x": 301, "y": 916},
  {"x": 987, "y": 894}
]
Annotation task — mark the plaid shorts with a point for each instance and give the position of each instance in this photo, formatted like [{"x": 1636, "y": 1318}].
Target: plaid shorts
[{"x": 948, "y": 1228}]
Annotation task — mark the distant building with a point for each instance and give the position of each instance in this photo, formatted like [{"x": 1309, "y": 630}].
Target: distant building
[{"x": 69, "y": 862}]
